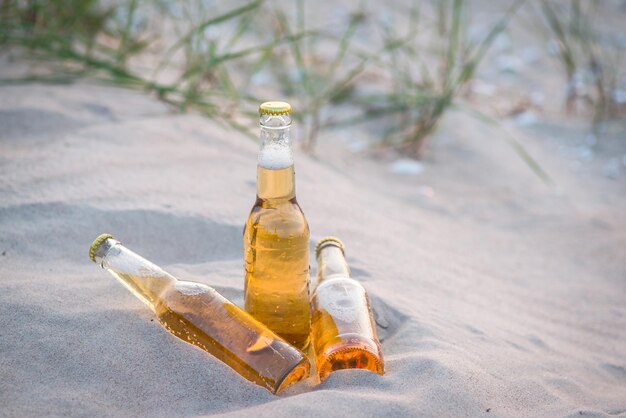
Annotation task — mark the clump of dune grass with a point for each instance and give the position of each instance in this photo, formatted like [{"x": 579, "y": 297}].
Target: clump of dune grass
[
  {"x": 197, "y": 57},
  {"x": 428, "y": 71},
  {"x": 191, "y": 69},
  {"x": 318, "y": 82},
  {"x": 424, "y": 81},
  {"x": 591, "y": 60},
  {"x": 202, "y": 66}
]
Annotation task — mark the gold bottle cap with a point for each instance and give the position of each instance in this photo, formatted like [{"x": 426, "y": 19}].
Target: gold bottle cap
[
  {"x": 96, "y": 243},
  {"x": 328, "y": 241},
  {"x": 275, "y": 108}
]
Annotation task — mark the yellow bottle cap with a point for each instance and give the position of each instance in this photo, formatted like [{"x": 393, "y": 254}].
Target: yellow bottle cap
[
  {"x": 275, "y": 108},
  {"x": 326, "y": 241},
  {"x": 96, "y": 243}
]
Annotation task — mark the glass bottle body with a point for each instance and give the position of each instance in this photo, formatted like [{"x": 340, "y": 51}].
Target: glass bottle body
[
  {"x": 199, "y": 315},
  {"x": 343, "y": 327},
  {"x": 276, "y": 242}
]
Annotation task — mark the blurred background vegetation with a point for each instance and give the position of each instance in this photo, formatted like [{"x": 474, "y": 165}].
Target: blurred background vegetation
[{"x": 404, "y": 68}]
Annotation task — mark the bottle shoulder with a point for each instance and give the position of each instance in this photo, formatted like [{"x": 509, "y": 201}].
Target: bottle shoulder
[
  {"x": 283, "y": 205},
  {"x": 341, "y": 281},
  {"x": 288, "y": 215},
  {"x": 182, "y": 288}
]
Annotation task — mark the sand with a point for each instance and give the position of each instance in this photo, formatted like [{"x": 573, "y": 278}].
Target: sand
[{"x": 495, "y": 294}]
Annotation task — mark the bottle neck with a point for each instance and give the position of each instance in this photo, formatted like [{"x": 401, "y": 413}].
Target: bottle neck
[
  {"x": 331, "y": 263},
  {"x": 275, "y": 172},
  {"x": 144, "y": 279},
  {"x": 275, "y": 185}
]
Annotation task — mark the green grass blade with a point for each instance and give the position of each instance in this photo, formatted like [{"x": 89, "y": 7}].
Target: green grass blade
[
  {"x": 199, "y": 29},
  {"x": 519, "y": 149}
]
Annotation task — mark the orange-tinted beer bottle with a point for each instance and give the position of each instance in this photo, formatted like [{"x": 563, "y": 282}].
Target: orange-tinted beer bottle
[
  {"x": 343, "y": 328},
  {"x": 276, "y": 236},
  {"x": 198, "y": 314}
]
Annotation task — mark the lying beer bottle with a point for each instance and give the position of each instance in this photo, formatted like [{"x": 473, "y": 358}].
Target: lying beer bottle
[
  {"x": 276, "y": 236},
  {"x": 197, "y": 314},
  {"x": 343, "y": 329}
]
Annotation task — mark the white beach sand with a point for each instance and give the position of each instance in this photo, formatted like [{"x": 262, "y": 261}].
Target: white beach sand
[{"x": 495, "y": 294}]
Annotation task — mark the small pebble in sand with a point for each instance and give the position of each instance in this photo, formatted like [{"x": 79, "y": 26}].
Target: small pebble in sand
[
  {"x": 579, "y": 153},
  {"x": 575, "y": 166},
  {"x": 619, "y": 96},
  {"x": 530, "y": 55},
  {"x": 584, "y": 153},
  {"x": 482, "y": 88},
  {"x": 426, "y": 191},
  {"x": 502, "y": 42},
  {"x": 509, "y": 63},
  {"x": 407, "y": 166},
  {"x": 261, "y": 78},
  {"x": 537, "y": 97},
  {"x": 526, "y": 118},
  {"x": 553, "y": 47},
  {"x": 591, "y": 140},
  {"x": 611, "y": 168},
  {"x": 357, "y": 146}
]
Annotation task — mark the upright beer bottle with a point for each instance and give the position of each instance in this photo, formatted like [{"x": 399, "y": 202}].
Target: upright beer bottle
[
  {"x": 276, "y": 236},
  {"x": 197, "y": 314},
  {"x": 343, "y": 329}
]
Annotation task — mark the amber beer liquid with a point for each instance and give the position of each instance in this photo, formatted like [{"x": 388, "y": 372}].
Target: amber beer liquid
[
  {"x": 199, "y": 315},
  {"x": 343, "y": 329},
  {"x": 276, "y": 236}
]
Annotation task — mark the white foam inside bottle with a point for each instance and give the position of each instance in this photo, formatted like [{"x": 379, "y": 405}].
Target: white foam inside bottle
[{"x": 275, "y": 152}]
